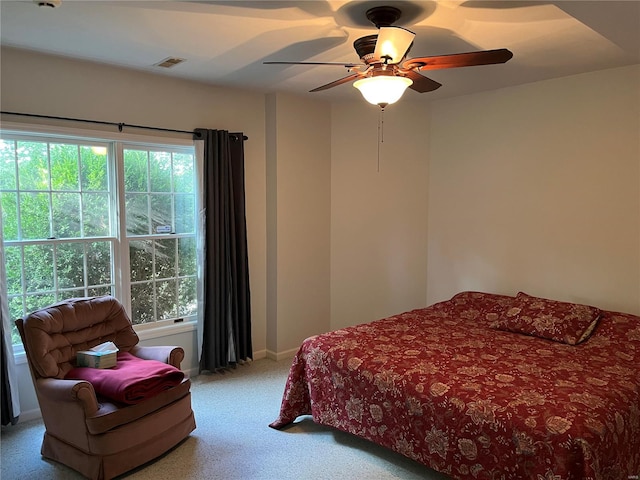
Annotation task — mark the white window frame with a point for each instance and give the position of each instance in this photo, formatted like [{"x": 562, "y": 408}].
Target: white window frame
[{"x": 145, "y": 331}]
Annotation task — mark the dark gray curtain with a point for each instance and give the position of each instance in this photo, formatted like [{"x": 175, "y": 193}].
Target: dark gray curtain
[
  {"x": 9, "y": 415},
  {"x": 226, "y": 321}
]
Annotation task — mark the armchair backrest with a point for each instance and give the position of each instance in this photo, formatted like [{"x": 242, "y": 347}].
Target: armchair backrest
[{"x": 53, "y": 335}]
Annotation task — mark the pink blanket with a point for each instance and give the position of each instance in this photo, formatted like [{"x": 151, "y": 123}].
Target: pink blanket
[{"x": 132, "y": 380}]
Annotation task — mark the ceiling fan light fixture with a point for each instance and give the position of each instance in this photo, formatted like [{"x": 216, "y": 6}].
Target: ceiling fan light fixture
[{"x": 383, "y": 90}]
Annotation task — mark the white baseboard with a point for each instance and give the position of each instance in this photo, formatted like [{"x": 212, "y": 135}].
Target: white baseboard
[
  {"x": 277, "y": 356},
  {"x": 30, "y": 415},
  {"x": 259, "y": 354}
]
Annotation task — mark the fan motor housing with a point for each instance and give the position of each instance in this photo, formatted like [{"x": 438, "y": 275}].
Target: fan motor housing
[
  {"x": 383, "y": 16},
  {"x": 365, "y": 46}
]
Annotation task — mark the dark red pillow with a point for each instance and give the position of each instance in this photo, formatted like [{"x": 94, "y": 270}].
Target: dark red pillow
[
  {"x": 564, "y": 322},
  {"x": 488, "y": 307}
]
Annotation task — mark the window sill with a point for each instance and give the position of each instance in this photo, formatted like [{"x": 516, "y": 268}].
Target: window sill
[{"x": 165, "y": 330}]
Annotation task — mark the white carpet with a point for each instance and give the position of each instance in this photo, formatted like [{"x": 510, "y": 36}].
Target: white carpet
[{"x": 233, "y": 440}]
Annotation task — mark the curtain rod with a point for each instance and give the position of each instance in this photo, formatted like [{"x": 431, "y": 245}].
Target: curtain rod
[{"x": 100, "y": 122}]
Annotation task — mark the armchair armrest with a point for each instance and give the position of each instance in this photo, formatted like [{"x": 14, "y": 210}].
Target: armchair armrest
[
  {"x": 65, "y": 407},
  {"x": 166, "y": 354},
  {"x": 56, "y": 391}
]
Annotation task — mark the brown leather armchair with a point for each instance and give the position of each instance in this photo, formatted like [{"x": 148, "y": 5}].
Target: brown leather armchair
[{"x": 96, "y": 436}]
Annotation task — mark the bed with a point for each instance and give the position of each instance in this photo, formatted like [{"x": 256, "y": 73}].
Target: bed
[{"x": 483, "y": 386}]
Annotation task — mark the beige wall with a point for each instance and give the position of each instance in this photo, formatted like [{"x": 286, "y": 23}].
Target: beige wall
[
  {"x": 537, "y": 188},
  {"x": 298, "y": 221},
  {"x": 378, "y": 218}
]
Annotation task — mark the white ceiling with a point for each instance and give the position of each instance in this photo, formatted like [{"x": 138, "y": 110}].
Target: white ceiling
[{"x": 226, "y": 42}]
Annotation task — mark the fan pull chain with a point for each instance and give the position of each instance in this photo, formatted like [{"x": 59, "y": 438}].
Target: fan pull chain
[{"x": 380, "y": 134}]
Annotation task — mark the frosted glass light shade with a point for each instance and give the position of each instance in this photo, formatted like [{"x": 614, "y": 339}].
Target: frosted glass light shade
[{"x": 382, "y": 90}]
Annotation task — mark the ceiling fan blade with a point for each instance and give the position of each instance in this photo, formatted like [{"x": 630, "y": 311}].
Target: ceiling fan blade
[
  {"x": 335, "y": 83},
  {"x": 348, "y": 65},
  {"x": 470, "y": 59},
  {"x": 421, "y": 84},
  {"x": 392, "y": 44}
]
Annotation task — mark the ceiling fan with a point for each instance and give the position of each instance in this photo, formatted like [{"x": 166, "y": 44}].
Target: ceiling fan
[{"x": 385, "y": 73}]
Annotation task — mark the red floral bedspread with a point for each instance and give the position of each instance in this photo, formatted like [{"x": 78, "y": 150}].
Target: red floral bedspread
[{"x": 442, "y": 387}]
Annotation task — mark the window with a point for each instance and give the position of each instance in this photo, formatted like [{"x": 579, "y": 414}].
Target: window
[
  {"x": 159, "y": 189},
  {"x": 84, "y": 217}
]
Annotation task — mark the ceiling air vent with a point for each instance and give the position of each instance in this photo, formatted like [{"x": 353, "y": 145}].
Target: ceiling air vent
[
  {"x": 48, "y": 3},
  {"x": 169, "y": 62}
]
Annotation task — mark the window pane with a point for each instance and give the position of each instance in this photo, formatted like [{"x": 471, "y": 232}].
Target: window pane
[
  {"x": 165, "y": 258},
  {"x": 65, "y": 294},
  {"x": 38, "y": 268},
  {"x": 70, "y": 265},
  {"x": 100, "y": 291},
  {"x": 13, "y": 266},
  {"x": 34, "y": 211},
  {"x": 185, "y": 213},
  {"x": 135, "y": 171},
  {"x": 99, "y": 263},
  {"x": 66, "y": 215},
  {"x": 95, "y": 214},
  {"x": 141, "y": 260},
  {"x": 186, "y": 256},
  {"x": 183, "y": 176},
  {"x": 64, "y": 167},
  {"x": 9, "y": 202},
  {"x": 187, "y": 297},
  {"x": 34, "y": 302},
  {"x": 142, "y": 302},
  {"x": 160, "y": 211},
  {"x": 33, "y": 166},
  {"x": 166, "y": 299},
  {"x": 160, "y": 167},
  {"x": 137, "y": 214},
  {"x": 94, "y": 168},
  {"x": 7, "y": 165}
]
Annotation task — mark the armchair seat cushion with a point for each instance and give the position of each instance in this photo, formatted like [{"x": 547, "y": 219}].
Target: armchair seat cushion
[{"x": 111, "y": 414}]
